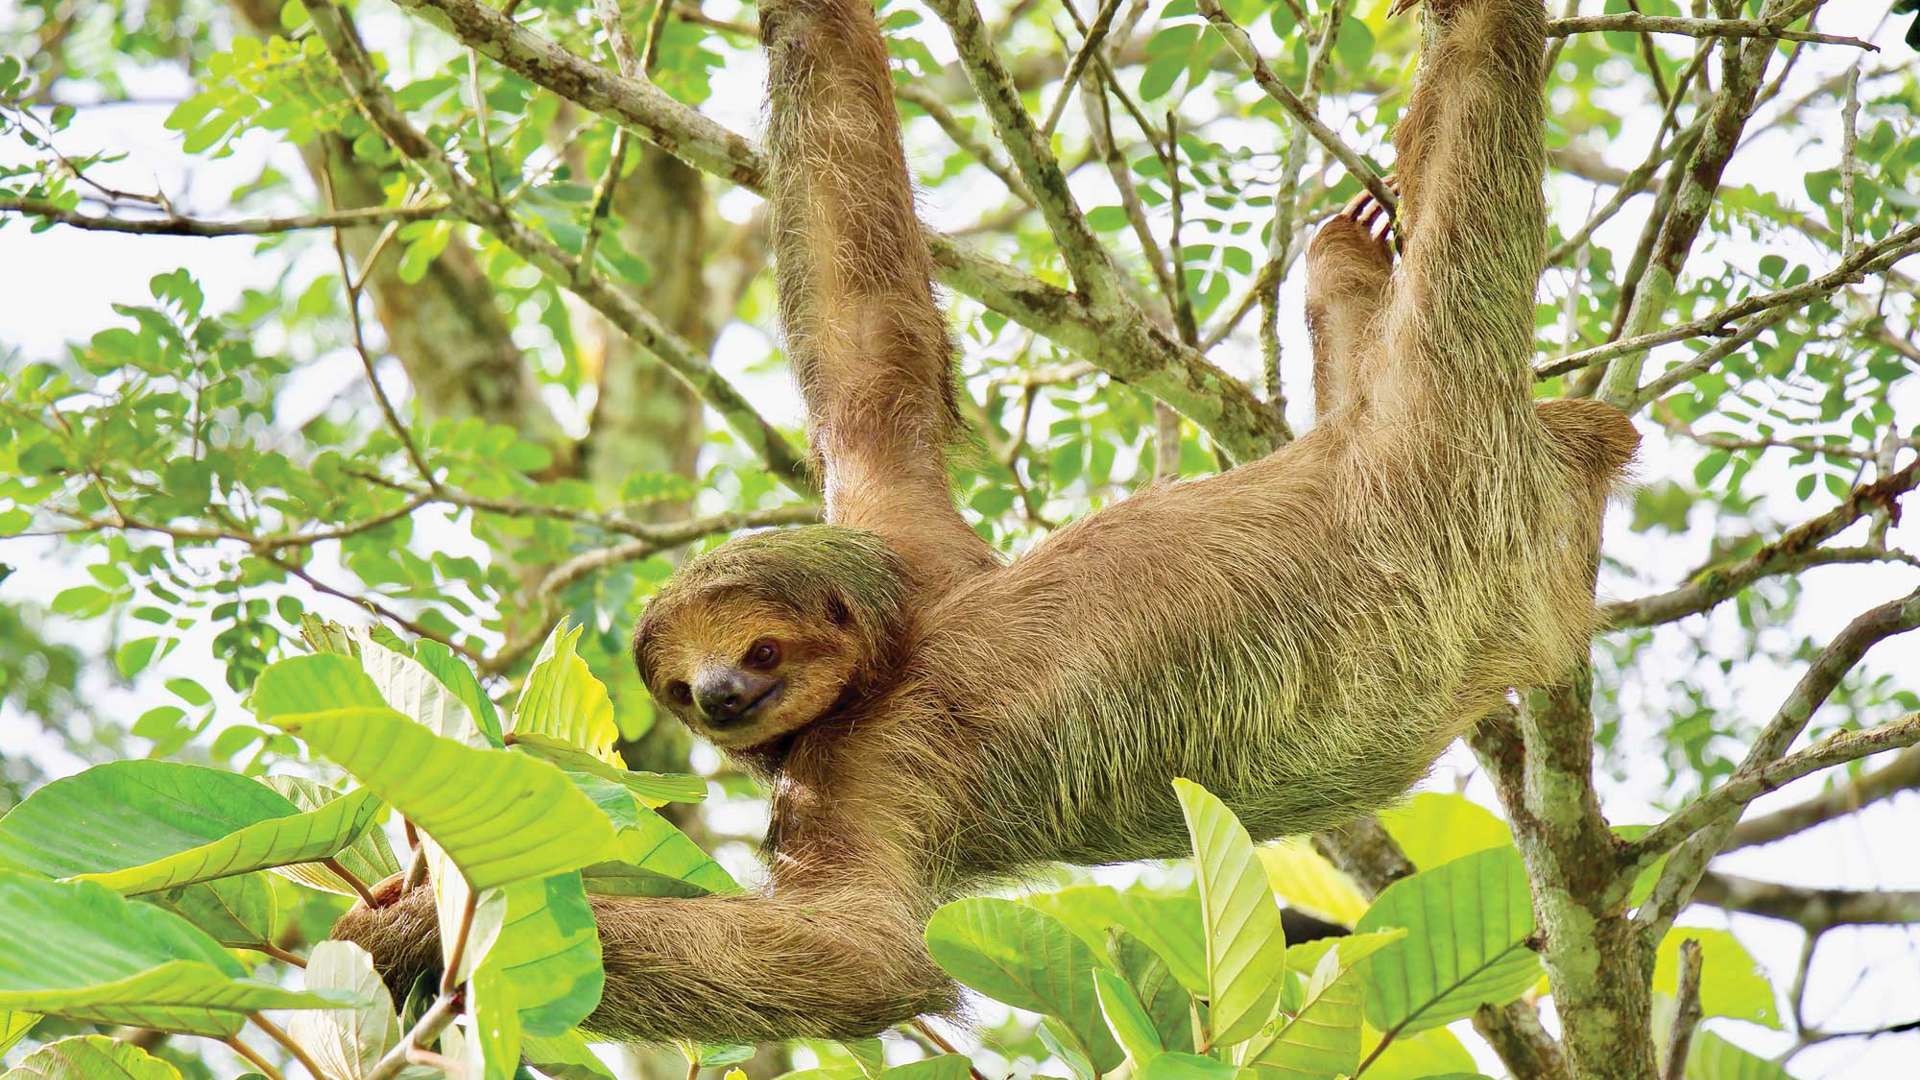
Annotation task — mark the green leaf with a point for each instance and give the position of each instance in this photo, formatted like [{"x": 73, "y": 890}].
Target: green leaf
[
  {"x": 565, "y": 1057},
  {"x": 143, "y": 826},
  {"x": 1732, "y": 983},
  {"x": 564, "y": 702},
  {"x": 500, "y": 816},
  {"x": 1468, "y": 921},
  {"x": 346, "y": 1042},
  {"x": 455, "y": 675},
  {"x": 1435, "y": 827},
  {"x": 1127, "y": 1018},
  {"x": 1245, "y": 945},
  {"x": 1169, "y": 924},
  {"x": 1426, "y": 1056},
  {"x": 652, "y": 844},
  {"x": 1024, "y": 958},
  {"x": 549, "y": 950},
  {"x": 1307, "y": 881},
  {"x": 1323, "y": 1038},
  {"x": 940, "y": 1067},
  {"x": 14, "y": 1025},
  {"x": 655, "y": 789},
  {"x": 409, "y": 688},
  {"x": 1714, "y": 1058},
  {"x": 237, "y": 912},
  {"x": 369, "y": 858},
  {"x": 109, "y": 960},
  {"x": 1173, "y": 1065},
  {"x": 1168, "y": 1003},
  {"x": 91, "y": 1057}
]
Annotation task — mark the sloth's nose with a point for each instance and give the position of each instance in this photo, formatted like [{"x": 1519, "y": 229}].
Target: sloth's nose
[{"x": 723, "y": 693}]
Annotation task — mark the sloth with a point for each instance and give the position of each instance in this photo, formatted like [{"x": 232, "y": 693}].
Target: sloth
[{"x": 1302, "y": 634}]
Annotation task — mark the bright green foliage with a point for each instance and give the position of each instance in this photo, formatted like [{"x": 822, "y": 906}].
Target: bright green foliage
[
  {"x": 104, "y": 958},
  {"x": 1245, "y": 946},
  {"x": 91, "y": 1057},
  {"x": 1434, "y": 827},
  {"x": 144, "y": 826},
  {"x": 1468, "y": 922},
  {"x": 346, "y": 1042},
  {"x": 1714, "y": 1058},
  {"x": 563, "y": 702},
  {"x": 1014, "y": 953},
  {"x": 500, "y": 816}
]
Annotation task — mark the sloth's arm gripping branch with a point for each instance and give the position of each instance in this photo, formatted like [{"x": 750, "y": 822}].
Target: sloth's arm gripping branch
[
  {"x": 834, "y": 957},
  {"x": 1472, "y": 218},
  {"x": 868, "y": 345}
]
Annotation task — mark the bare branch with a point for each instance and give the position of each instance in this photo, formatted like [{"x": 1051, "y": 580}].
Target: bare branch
[
  {"x": 175, "y": 225},
  {"x": 1867, "y": 260},
  {"x": 1242, "y": 46},
  {"x": 1900, "y": 774},
  {"x": 1700, "y": 28},
  {"x": 1686, "y": 1015},
  {"x": 1814, "y": 909},
  {"x": 1795, "y": 549},
  {"x": 1749, "y": 784}
]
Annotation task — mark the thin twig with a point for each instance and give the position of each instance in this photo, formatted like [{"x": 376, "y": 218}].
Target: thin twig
[
  {"x": 267, "y": 1068},
  {"x": 450, "y": 978},
  {"x": 927, "y": 1032},
  {"x": 360, "y": 345},
  {"x": 1242, "y": 46},
  {"x": 1687, "y": 1012},
  {"x": 431, "y": 1024},
  {"x": 1849, "y": 157},
  {"x": 201, "y": 227},
  {"x": 285, "y": 956},
  {"x": 279, "y": 1034},
  {"x": 1095, "y": 34},
  {"x": 366, "y": 894},
  {"x": 1707, "y": 28}
]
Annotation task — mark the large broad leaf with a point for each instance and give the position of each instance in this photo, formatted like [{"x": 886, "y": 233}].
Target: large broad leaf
[
  {"x": 369, "y": 858},
  {"x": 1323, "y": 1038},
  {"x": 1246, "y": 948},
  {"x": 1168, "y": 1004},
  {"x": 655, "y": 789},
  {"x": 1467, "y": 922},
  {"x": 346, "y": 1042},
  {"x": 564, "y": 702},
  {"x": 1015, "y": 954},
  {"x": 1425, "y": 1056},
  {"x": 1303, "y": 958},
  {"x": 91, "y": 1057},
  {"x": 455, "y": 675},
  {"x": 565, "y": 1057},
  {"x": 1711, "y": 1057},
  {"x": 1436, "y": 827},
  {"x": 651, "y": 843},
  {"x": 1167, "y": 923},
  {"x": 14, "y": 1025},
  {"x": 103, "y": 958},
  {"x": 1177, "y": 1066},
  {"x": 1732, "y": 982},
  {"x": 143, "y": 826},
  {"x": 1127, "y": 1018},
  {"x": 942, "y": 1067},
  {"x": 500, "y": 817},
  {"x": 411, "y": 689},
  {"x": 1306, "y": 880},
  {"x": 238, "y": 912},
  {"x": 549, "y": 951}
]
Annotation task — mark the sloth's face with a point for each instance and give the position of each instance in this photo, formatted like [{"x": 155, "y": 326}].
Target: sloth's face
[{"x": 740, "y": 671}]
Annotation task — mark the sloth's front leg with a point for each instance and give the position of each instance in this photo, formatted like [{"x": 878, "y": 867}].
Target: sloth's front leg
[{"x": 1349, "y": 265}]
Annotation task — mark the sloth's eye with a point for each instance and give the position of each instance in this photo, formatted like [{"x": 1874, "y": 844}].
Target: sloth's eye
[
  {"x": 764, "y": 654},
  {"x": 680, "y": 693}
]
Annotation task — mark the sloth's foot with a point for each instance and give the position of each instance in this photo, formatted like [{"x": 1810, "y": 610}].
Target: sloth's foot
[{"x": 1372, "y": 216}]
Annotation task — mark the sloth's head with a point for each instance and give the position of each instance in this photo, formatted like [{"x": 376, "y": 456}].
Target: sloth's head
[{"x": 768, "y": 632}]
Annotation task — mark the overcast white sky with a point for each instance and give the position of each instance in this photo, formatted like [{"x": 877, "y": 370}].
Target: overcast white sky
[{"x": 60, "y": 285}]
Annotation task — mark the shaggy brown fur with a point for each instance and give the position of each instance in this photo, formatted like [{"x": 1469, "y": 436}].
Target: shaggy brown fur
[{"x": 1302, "y": 635}]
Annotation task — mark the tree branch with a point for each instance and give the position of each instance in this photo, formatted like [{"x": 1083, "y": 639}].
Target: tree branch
[
  {"x": 1900, "y": 774},
  {"x": 1686, "y": 1014},
  {"x": 1811, "y": 908},
  {"x": 1700, "y": 28},
  {"x": 178, "y": 225},
  {"x": 1705, "y": 834},
  {"x": 1280, "y": 92},
  {"x": 1748, "y": 784},
  {"x": 1853, "y": 268},
  {"x": 1795, "y": 549},
  {"x": 371, "y": 96}
]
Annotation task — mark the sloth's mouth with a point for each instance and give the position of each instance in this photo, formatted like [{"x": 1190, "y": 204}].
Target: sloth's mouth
[{"x": 759, "y": 706}]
